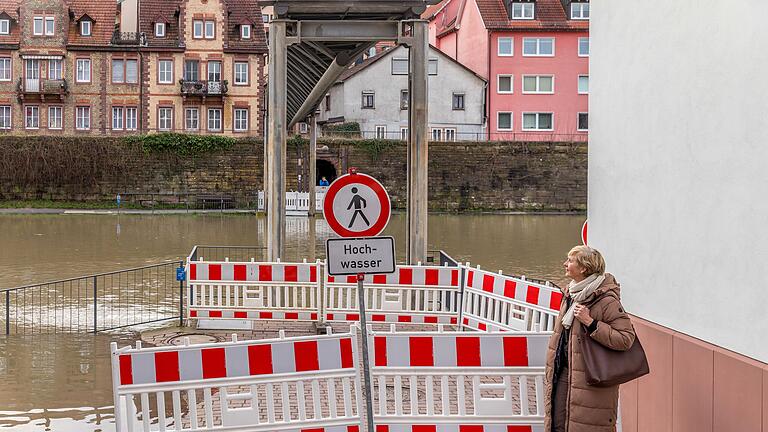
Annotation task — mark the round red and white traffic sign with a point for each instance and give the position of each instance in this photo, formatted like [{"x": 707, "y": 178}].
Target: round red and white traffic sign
[
  {"x": 356, "y": 205},
  {"x": 584, "y": 233}
]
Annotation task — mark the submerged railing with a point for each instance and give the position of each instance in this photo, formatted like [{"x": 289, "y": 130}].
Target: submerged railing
[{"x": 97, "y": 302}]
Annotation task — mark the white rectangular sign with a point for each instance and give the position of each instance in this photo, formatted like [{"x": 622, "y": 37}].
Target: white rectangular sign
[{"x": 367, "y": 255}]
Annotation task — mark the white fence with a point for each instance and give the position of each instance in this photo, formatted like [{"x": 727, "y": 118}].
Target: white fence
[
  {"x": 296, "y": 203},
  {"x": 263, "y": 385}
]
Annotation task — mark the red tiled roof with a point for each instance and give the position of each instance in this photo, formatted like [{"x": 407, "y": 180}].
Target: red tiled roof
[
  {"x": 150, "y": 10},
  {"x": 433, "y": 9},
  {"x": 245, "y": 11},
  {"x": 11, "y": 8},
  {"x": 550, "y": 15},
  {"x": 103, "y": 14}
]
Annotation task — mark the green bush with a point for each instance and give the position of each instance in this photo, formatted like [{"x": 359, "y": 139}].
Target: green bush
[
  {"x": 181, "y": 144},
  {"x": 349, "y": 129}
]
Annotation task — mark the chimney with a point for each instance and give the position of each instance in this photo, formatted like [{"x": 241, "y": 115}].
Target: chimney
[{"x": 129, "y": 16}]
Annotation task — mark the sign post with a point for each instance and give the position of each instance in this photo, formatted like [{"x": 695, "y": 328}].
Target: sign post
[{"x": 357, "y": 207}]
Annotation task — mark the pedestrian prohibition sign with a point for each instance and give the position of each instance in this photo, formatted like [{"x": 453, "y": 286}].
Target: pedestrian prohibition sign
[{"x": 356, "y": 205}]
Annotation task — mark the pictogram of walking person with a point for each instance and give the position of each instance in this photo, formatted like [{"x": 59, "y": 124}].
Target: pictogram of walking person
[{"x": 359, "y": 203}]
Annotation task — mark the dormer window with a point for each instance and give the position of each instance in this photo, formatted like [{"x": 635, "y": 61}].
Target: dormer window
[
  {"x": 522, "y": 11},
  {"x": 85, "y": 28},
  {"x": 5, "y": 26},
  {"x": 160, "y": 29},
  {"x": 245, "y": 31},
  {"x": 580, "y": 11}
]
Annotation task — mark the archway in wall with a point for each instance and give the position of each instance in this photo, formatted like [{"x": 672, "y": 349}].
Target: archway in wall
[{"x": 325, "y": 169}]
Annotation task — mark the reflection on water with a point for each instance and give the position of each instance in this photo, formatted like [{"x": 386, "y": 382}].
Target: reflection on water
[{"x": 63, "y": 382}]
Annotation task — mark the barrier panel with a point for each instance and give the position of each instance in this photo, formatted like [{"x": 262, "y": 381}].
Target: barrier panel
[
  {"x": 458, "y": 381},
  {"x": 413, "y": 294},
  {"x": 493, "y": 301},
  {"x": 288, "y": 383},
  {"x": 253, "y": 290}
]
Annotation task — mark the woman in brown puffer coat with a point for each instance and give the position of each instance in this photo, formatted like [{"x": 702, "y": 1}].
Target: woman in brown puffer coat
[{"x": 590, "y": 308}]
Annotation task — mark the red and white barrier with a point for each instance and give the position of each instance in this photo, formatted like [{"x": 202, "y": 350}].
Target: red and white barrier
[
  {"x": 496, "y": 302},
  {"x": 458, "y": 428},
  {"x": 254, "y": 385},
  {"x": 447, "y": 380},
  {"x": 253, "y": 290},
  {"x": 412, "y": 294}
]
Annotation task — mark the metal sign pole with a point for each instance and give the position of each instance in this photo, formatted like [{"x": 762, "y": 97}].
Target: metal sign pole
[{"x": 366, "y": 364}]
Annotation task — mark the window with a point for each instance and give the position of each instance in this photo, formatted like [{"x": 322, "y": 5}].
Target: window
[
  {"x": 583, "y": 121},
  {"x": 437, "y": 134},
  {"x": 504, "y": 121},
  {"x": 83, "y": 118},
  {"x": 537, "y": 121},
  {"x": 132, "y": 71},
  {"x": 584, "y": 47},
  {"x": 241, "y": 73},
  {"x": 118, "y": 71},
  {"x": 165, "y": 71},
  {"x": 583, "y": 84},
  {"x": 37, "y": 28},
  {"x": 506, "y": 45},
  {"x": 303, "y": 128},
  {"x": 504, "y": 84},
  {"x": 580, "y": 11},
  {"x": 49, "y": 26},
  {"x": 403, "y": 99},
  {"x": 241, "y": 119},
  {"x": 432, "y": 67},
  {"x": 54, "y": 117},
  {"x": 214, "y": 71},
  {"x": 265, "y": 18},
  {"x": 539, "y": 84},
  {"x": 5, "y": 68},
  {"x": 522, "y": 11},
  {"x": 210, "y": 30},
  {"x": 32, "y": 117},
  {"x": 458, "y": 101},
  {"x": 327, "y": 102},
  {"x": 85, "y": 28},
  {"x": 404, "y": 133},
  {"x": 539, "y": 47},
  {"x": 83, "y": 70},
  {"x": 131, "y": 118},
  {"x": 117, "y": 118},
  {"x": 159, "y": 29},
  {"x": 197, "y": 29},
  {"x": 5, "y": 26},
  {"x": 192, "y": 119},
  {"x": 5, "y": 117},
  {"x": 369, "y": 99},
  {"x": 245, "y": 31},
  {"x": 381, "y": 132},
  {"x": 164, "y": 118},
  {"x": 55, "y": 69},
  {"x": 399, "y": 66},
  {"x": 214, "y": 119},
  {"x": 450, "y": 134},
  {"x": 191, "y": 70}
]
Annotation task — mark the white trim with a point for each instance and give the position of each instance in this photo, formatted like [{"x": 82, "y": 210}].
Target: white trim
[
  {"x": 537, "y": 129},
  {"x": 41, "y": 57},
  {"x": 511, "y": 84},
  {"x": 159, "y": 26},
  {"x": 26, "y": 117},
  {"x": 10, "y": 117},
  {"x": 86, "y": 109},
  {"x": 537, "y": 91},
  {"x": 235, "y": 119},
  {"x": 577, "y": 121},
  {"x": 523, "y": 7},
  {"x": 82, "y": 28},
  {"x": 235, "y": 64},
  {"x": 209, "y": 117},
  {"x": 511, "y": 121},
  {"x": 453, "y": 135},
  {"x": 383, "y": 129},
  {"x": 582, "y": 8},
  {"x": 161, "y": 74},
  {"x": 578, "y": 47},
  {"x": 7, "y": 24},
  {"x": 42, "y": 25},
  {"x": 243, "y": 27},
  {"x": 187, "y": 110},
  {"x": 160, "y": 118},
  {"x": 53, "y": 29},
  {"x": 205, "y": 29},
  {"x": 538, "y": 47},
  {"x": 404, "y": 133},
  {"x": 578, "y": 84},
  {"x": 10, "y": 68},
  {"x": 86, "y": 71},
  {"x": 512, "y": 48},
  {"x": 195, "y": 34},
  {"x": 61, "y": 117}
]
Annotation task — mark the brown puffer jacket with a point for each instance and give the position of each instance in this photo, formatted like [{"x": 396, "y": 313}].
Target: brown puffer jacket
[{"x": 590, "y": 409}]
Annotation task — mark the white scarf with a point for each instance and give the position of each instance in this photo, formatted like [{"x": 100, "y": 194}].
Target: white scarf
[{"x": 580, "y": 291}]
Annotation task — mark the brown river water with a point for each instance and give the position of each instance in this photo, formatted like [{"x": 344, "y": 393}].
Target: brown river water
[{"x": 62, "y": 382}]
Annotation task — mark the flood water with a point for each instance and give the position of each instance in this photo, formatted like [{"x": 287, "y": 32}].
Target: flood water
[{"x": 63, "y": 382}]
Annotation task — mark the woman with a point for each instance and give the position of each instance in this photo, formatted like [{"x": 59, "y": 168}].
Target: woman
[{"x": 590, "y": 308}]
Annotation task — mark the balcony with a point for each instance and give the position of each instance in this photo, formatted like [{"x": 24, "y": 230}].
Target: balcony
[
  {"x": 203, "y": 89},
  {"x": 33, "y": 88}
]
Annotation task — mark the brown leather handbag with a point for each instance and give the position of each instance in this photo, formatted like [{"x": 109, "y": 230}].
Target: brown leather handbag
[{"x": 606, "y": 367}]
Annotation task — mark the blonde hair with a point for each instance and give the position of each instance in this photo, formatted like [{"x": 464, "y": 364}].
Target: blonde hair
[{"x": 589, "y": 258}]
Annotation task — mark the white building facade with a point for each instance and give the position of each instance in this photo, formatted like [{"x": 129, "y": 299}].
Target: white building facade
[{"x": 375, "y": 95}]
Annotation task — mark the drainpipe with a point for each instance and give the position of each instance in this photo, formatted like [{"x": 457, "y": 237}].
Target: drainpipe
[{"x": 488, "y": 90}]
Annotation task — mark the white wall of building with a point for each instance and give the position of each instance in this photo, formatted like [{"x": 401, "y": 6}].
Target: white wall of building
[
  {"x": 346, "y": 98},
  {"x": 678, "y": 163}
]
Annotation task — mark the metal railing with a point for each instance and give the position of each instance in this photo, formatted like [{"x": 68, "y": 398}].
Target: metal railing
[
  {"x": 227, "y": 253},
  {"x": 42, "y": 85},
  {"x": 532, "y": 136},
  {"x": 128, "y": 38},
  {"x": 94, "y": 303},
  {"x": 203, "y": 88}
]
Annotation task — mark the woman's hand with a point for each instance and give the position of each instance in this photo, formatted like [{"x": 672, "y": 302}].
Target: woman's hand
[{"x": 581, "y": 313}]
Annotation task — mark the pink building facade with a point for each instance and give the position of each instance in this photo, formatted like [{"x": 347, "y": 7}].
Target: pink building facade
[{"x": 535, "y": 56}]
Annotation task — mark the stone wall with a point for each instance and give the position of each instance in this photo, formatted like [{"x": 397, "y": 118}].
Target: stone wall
[{"x": 463, "y": 176}]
